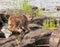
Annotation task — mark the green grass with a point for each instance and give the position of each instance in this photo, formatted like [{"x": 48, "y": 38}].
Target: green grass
[
  {"x": 17, "y": 41},
  {"x": 49, "y": 24},
  {"x": 25, "y": 6},
  {"x": 38, "y": 12}
]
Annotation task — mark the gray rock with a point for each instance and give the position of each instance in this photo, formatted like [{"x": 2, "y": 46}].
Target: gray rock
[
  {"x": 55, "y": 39},
  {"x": 34, "y": 26},
  {"x": 6, "y": 32},
  {"x": 34, "y": 36}
]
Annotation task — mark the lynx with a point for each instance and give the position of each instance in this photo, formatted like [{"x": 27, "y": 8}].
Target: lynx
[{"x": 18, "y": 22}]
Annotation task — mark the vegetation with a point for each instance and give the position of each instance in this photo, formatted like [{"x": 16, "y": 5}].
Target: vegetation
[
  {"x": 25, "y": 6},
  {"x": 38, "y": 12},
  {"x": 49, "y": 24},
  {"x": 58, "y": 22}
]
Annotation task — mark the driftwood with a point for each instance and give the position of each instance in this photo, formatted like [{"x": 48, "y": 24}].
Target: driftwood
[{"x": 55, "y": 39}]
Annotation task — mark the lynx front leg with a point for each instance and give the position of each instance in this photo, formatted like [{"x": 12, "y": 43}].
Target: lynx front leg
[
  {"x": 14, "y": 28},
  {"x": 27, "y": 29}
]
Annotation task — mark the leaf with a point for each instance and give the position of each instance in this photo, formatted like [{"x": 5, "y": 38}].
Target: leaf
[{"x": 17, "y": 41}]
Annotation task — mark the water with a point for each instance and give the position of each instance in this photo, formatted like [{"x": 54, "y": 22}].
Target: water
[{"x": 4, "y": 4}]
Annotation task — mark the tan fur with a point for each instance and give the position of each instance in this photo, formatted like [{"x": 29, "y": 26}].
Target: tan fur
[
  {"x": 17, "y": 22},
  {"x": 29, "y": 16}
]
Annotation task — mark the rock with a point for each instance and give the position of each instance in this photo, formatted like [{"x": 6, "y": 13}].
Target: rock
[
  {"x": 9, "y": 42},
  {"x": 6, "y": 32},
  {"x": 34, "y": 26},
  {"x": 38, "y": 20},
  {"x": 2, "y": 35},
  {"x": 29, "y": 38},
  {"x": 55, "y": 39},
  {"x": 33, "y": 36}
]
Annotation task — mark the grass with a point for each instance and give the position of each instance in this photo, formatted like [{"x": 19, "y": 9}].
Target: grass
[
  {"x": 27, "y": 8},
  {"x": 49, "y": 24}
]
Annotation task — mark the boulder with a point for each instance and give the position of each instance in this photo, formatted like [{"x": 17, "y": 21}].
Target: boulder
[
  {"x": 55, "y": 38},
  {"x": 34, "y": 36},
  {"x": 29, "y": 38}
]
